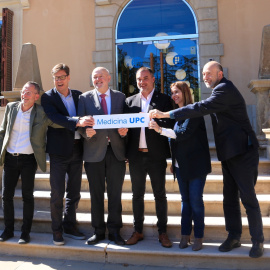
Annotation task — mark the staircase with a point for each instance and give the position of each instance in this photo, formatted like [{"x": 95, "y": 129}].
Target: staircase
[{"x": 148, "y": 251}]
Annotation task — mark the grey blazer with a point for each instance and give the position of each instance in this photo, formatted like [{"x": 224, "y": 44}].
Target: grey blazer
[{"x": 95, "y": 148}]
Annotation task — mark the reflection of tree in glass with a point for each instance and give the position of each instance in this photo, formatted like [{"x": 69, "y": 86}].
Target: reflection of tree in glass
[{"x": 126, "y": 76}]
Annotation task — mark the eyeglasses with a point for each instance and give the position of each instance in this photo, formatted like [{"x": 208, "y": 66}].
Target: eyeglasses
[
  {"x": 59, "y": 78},
  {"x": 28, "y": 93}
]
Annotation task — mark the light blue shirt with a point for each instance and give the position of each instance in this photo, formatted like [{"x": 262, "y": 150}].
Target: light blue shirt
[{"x": 70, "y": 106}]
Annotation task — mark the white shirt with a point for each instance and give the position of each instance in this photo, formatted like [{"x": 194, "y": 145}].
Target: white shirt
[
  {"x": 19, "y": 141},
  {"x": 168, "y": 132},
  {"x": 107, "y": 98},
  {"x": 144, "y": 108},
  {"x": 70, "y": 106}
]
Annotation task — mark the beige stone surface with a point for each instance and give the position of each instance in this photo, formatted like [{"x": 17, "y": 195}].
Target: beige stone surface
[
  {"x": 207, "y": 13},
  {"x": 63, "y": 31},
  {"x": 104, "y": 21},
  {"x": 208, "y": 26},
  {"x": 202, "y": 4},
  {"x": 209, "y": 38},
  {"x": 211, "y": 50},
  {"x": 108, "y": 10},
  {"x": 104, "y": 33},
  {"x": 104, "y": 45}
]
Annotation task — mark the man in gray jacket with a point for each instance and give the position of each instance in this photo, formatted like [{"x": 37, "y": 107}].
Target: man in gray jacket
[{"x": 104, "y": 156}]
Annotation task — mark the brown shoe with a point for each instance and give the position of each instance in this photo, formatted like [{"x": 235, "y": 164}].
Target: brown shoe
[
  {"x": 197, "y": 244},
  {"x": 135, "y": 237},
  {"x": 185, "y": 241},
  {"x": 164, "y": 240}
]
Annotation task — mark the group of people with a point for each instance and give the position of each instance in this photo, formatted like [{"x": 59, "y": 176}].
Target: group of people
[{"x": 63, "y": 124}]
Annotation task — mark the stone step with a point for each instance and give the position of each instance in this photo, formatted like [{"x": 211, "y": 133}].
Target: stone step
[
  {"x": 214, "y": 226},
  {"x": 146, "y": 252},
  {"x": 214, "y": 184},
  {"x": 213, "y": 203},
  {"x": 264, "y": 166}
]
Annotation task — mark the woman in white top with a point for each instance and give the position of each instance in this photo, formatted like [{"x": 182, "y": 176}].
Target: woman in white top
[{"x": 190, "y": 164}]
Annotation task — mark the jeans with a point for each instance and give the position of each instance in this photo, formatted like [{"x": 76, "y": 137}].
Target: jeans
[
  {"x": 59, "y": 167},
  {"x": 192, "y": 204},
  {"x": 26, "y": 166}
]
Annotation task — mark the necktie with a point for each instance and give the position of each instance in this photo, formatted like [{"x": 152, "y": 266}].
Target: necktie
[{"x": 104, "y": 103}]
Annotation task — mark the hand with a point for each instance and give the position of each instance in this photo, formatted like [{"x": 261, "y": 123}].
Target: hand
[
  {"x": 90, "y": 132},
  {"x": 86, "y": 121},
  {"x": 171, "y": 169},
  {"x": 158, "y": 114},
  {"x": 122, "y": 131},
  {"x": 153, "y": 125}
]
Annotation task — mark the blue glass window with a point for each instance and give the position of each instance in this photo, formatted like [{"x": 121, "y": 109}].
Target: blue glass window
[
  {"x": 143, "y": 18},
  {"x": 162, "y": 35}
]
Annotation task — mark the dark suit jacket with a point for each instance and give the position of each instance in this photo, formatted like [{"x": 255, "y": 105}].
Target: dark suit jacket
[
  {"x": 157, "y": 145},
  {"x": 95, "y": 148},
  {"x": 59, "y": 141},
  {"x": 191, "y": 149},
  {"x": 232, "y": 129}
]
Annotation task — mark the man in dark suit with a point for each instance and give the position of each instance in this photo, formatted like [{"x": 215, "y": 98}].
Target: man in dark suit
[
  {"x": 104, "y": 157},
  {"x": 237, "y": 149},
  {"x": 65, "y": 150},
  {"x": 147, "y": 152}
]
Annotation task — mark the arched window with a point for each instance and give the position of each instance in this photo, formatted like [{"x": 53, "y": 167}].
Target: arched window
[{"x": 162, "y": 35}]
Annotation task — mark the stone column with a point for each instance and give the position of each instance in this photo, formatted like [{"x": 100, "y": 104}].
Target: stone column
[{"x": 261, "y": 89}]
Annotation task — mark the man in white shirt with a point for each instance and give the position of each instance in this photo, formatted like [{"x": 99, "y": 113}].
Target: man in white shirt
[
  {"x": 22, "y": 144},
  {"x": 147, "y": 152}
]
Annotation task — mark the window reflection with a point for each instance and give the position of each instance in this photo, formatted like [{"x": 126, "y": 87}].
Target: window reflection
[
  {"x": 170, "y": 48},
  {"x": 147, "y": 18}
]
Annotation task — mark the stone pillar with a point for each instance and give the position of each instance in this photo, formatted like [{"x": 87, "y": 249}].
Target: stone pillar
[
  {"x": 261, "y": 89},
  {"x": 28, "y": 70},
  {"x": 261, "y": 86}
]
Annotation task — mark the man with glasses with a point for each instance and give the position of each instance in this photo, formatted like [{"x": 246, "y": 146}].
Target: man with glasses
[
  {"x": 22, "y": 144},
  {"x": 65, "y": 150}
]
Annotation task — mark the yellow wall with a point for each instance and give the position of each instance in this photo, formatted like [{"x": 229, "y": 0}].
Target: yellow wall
[
  {"x": 63, "y": 31},
  {"x": 240, "y": 27}
]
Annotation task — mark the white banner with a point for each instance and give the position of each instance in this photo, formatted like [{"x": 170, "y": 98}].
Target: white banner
[{"x": 130, "y": 120}]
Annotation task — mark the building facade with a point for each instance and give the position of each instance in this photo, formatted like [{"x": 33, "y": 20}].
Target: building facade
[{"x": 89, "y": 33}]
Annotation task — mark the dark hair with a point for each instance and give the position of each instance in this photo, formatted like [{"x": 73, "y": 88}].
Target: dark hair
[
  {"x": 183, "y": 87},
  {"x": 35, "y": 84},
  {"x": 59, "y": 67},
  {"x": 145, "y": 69}
]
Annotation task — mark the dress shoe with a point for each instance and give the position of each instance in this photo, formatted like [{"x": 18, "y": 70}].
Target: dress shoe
[
  {"x": 25, "y": 238},
  {"x": 116, "y": 237},
  {"x": 7, "y": 234},
  {"x": 164, "y": 240},
  {"x": 74, "y": 233},
  {"x": 256, "y": 250},
  {"x": 58, "y": 239},
  {"x": 185, "y": 241},
  {"x": 95, "y": 239},
  {"x": 197, "y": 244},
  {"x": 229, "y": 244},
  {"x": 135, "y": 237}
]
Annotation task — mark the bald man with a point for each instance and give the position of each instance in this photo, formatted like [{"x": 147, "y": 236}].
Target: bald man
[{"x": 237, "y": 149}]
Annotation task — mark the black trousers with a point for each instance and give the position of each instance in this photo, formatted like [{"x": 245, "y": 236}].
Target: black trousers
[
  {"x": 112, "y": 171},
  {"x": 239, "y": 178},
  {"x": 26, "y": 166},
  {"x": 139, "y": 168},
  {"x": 59, "y": 167}
]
